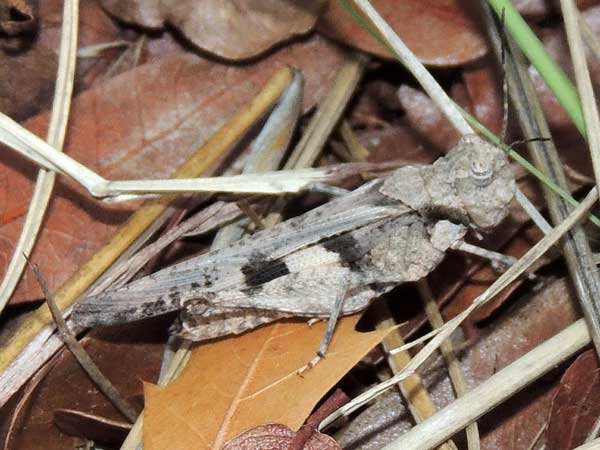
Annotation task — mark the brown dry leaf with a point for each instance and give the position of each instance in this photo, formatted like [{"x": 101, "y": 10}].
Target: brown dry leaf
[
  {"x": 485, "y": 94},
  {"x": 275, "y": 436},
  {"x": 91, "y": 427},
  {"x": 575, "y": 407},
  {"x": 426, "y": 118},
  {"x": 232, "y": 29},
  {"x": 141, "y": 124},
  {"x": 439, "y": 32},
  {"x": 235, "y": 384},
  {"x": 512, "y": 425},
  {"x": 26, "y": 81},
  {"x": 127, "y": 355},
  {"x": 27, "y": 75},
  {"x": 396, "y": 143}
]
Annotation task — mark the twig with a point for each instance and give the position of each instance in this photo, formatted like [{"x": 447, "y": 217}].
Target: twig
[
  {"x": 335, "y": 401},
  {"x": 202, "y": 161},
  {"x": 499, "y": 387},
  {"x": 82, "y": 357},
  {"x": 55, "y": 137}
]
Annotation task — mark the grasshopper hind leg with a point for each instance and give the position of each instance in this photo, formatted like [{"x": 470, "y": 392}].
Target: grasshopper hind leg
[{"x": 220, "y": 322}]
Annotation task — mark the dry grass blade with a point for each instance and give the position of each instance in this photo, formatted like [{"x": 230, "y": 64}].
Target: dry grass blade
[
  {"x": 576, "y": 247},
  {"x": 592, "y": 445},
  {"x": 500, "y": 386},
  {"x": 584, "y": 82},
  {"x": 322, "y": 123},
  {"x": 358, "y": 152},
  {"x": 502, "y": 282},
  {"x": 55, "y": 137},
  {"x": 592, "y": 123},
  {"x": 590, "y": 39},
  {"x": 329, "y": 112},
  {"x": 200, "y": 162},
  {"x": 447, "y": 349},
  {"x": 84, "y": 360},
  {"x": 29, "y": 145},
  {"x": 417, "y": 398},
  {"x": 412, "y": 63}
]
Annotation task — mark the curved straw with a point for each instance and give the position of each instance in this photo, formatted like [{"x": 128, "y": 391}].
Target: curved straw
[{"x": 55, "y": 137}]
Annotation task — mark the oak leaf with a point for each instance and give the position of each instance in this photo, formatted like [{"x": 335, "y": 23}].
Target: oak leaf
[
  {"x": 232, "y": 29},
  {"x": 235, "y": 384},
  {"x": 141, "y": 124}
]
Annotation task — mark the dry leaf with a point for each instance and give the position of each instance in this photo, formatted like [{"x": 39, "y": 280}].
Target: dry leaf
[
  {"x": 232, "y": 29},
  {"x": 27, "y": 75},
  {"x": 235, "y": 384},
  {"x": 141, "y": 124},
  {"x": 575, "y": 407},
  {"x": 396, "y": 143},
  {"x": 91, "y": 427},
  {"x": 485, "y": 94},
  {"x": 127, "y": 355},
  {"x": 439, "y": 32},
  {"x": 275, "y": 436},
  {"x": 427, "y": 119},
  {"x": 27, "y": 81}
]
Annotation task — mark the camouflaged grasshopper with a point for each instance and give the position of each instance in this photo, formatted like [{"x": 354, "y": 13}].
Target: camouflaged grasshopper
[{"x": 333, "y": 259}]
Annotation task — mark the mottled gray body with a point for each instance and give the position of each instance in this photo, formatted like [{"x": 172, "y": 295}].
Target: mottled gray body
[{"x": 387, "y": 232}]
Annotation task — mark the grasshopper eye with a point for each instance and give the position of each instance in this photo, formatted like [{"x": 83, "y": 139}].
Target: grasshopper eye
[{"x": 481, "y": 172}]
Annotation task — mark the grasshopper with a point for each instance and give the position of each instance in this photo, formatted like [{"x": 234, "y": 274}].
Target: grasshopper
[{"x": 334, "y": 259}]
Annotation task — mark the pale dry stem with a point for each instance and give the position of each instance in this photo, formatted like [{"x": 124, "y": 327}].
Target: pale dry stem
[{"x": 55, "y": 137}]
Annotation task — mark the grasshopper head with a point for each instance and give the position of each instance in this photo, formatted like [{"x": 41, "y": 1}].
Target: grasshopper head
[{"x": 483, "y": 181}]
